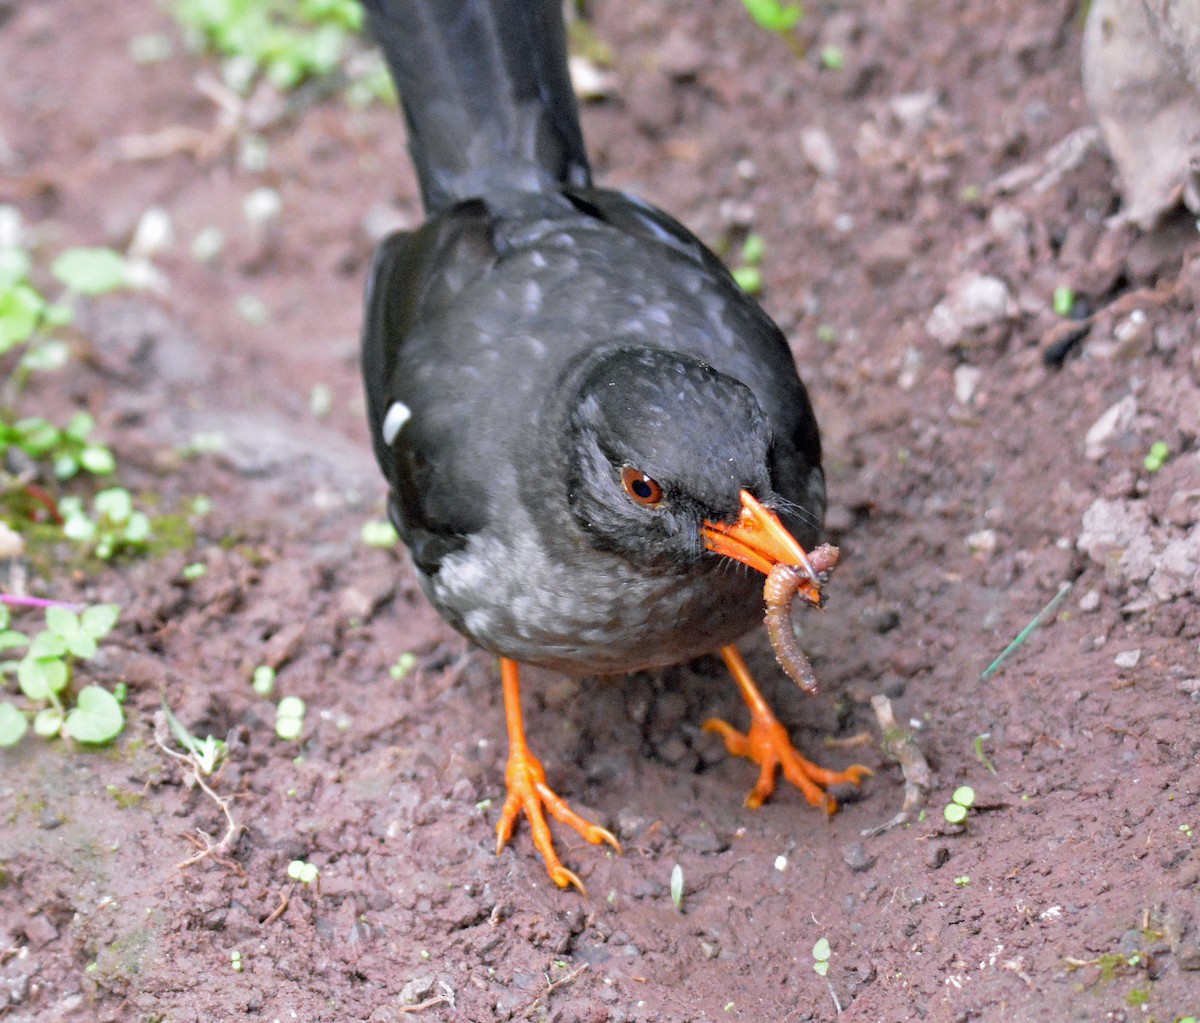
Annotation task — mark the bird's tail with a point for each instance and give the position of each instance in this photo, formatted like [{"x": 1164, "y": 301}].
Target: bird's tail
[{"x": 486, "y": 94}]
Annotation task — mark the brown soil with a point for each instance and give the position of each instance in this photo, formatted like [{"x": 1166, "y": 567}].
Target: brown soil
[{"x": 1073, "y": 890}]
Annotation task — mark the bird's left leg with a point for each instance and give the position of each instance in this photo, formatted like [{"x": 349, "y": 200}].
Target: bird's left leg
[
  {"x": 529, "y": 793},
  {"x": 768, "y": 745}
]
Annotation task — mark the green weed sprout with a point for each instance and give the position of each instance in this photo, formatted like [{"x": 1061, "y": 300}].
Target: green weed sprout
[
  {"x": 1157, "y": 456},
  {"x": 677, "y": 887},
  {"x": 303, "y": 871},
  {"x": 206, "y": 754},
  {"x": 821, "y": 953},
  {"x": 286, "y": 43},
  {"x": 114, "y": 526},
  {"x": 289, "y": 717},
  {"x": 962, "y": 801},
  {"x": 1064, "y": 300},
  {"x": 263, "y": 680},
  {"x": 748, "y": 274},
  {"x": 44, "y": 673},
  {"x": 378, "y": 533},
  {"x": 773, "y": 15}
]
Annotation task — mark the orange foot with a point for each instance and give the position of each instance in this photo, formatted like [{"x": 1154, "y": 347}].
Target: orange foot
[
  {"x": 768, "y": 745},
  {"x": 528, "y": 792}
]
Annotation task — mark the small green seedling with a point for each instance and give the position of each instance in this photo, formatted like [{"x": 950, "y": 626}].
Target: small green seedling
[
  {"x": 284, "y": 43},
  {"x": 773, "y": 15},
  {"x": 44, "y": 672},
  {"x": 1157, "y": 456},
  {"x": 962, "y": 801},
  {"x": 194, "y": 570},
  {"x": 980, "y": 755},
  {"x": 404, "y": 664},
  {"x": 379, "y": 534},
  {"x": 677, "y": 887},
  {"x": 263, "y": 680},
  {"x": 303, "y": 871},
  {"x": 206, "y": 753},
  {"x": 962, "y": 881},
  {"x": 821, "y": 953},
  {"x": 833, "y": 57},
  {"x": 748, "y": 275},
  {"x": 91, "y": 271},
  {"x": 1064, "y": 300},
  {"x": 113, "y": 527},
  {"x": 235, "y": 961},
  {"x": 289, "y": 717},
  {"x": 68, "y": 450}
]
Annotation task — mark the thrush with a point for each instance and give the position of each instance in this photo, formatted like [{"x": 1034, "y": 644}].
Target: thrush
[{"x": 588, "y": 430}]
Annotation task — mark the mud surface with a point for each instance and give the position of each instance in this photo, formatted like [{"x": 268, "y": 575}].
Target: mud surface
[{"x": 917, "y": 219}]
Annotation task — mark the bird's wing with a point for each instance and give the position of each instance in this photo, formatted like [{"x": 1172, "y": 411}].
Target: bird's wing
[{"x": 437, "y": 499}]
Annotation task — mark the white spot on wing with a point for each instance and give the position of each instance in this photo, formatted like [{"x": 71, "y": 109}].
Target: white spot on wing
[{"x": 396, "y": 417}]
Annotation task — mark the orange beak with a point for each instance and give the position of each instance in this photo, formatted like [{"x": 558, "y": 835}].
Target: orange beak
[{"x": 757, "y": 539}]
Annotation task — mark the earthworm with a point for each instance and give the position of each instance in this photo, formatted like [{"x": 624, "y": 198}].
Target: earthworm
[{"x": 783, "y": 585}]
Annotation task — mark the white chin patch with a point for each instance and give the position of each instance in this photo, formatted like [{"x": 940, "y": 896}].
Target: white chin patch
[{"x": 393, "y": 422}]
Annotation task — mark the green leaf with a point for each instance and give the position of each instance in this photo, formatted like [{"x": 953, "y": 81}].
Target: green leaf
[
  {"x": 14, "y": 266},
  {"x": 47, "y": 644},
  {"x": 48, "y": 722},
  {"x": 97, "y": 460},
  {"x": 62, "y": 620},
  {"x": 90, "y": 271},
  {"x": 99, "y": 619},
  {"x": 773, "y": 15},
  {"x": 96, "y": 718},
  {"x": 115, "y": 504},
  {"x": 12, "y": 725},
  {"x": 749, "y": 279},
  {"x": 138, "y": 529},
  {"x": 36, "y": 436},
  {"x": 81, "y": 645},
  {"x": 46, "y": 356},
  {"x": 10, "y": 638},
  {"x": 955, "y": 813},
  {"x": 41, "y": 677},
  {"x": 964, "y": 796},
  {"x": 20, "y": 310}
]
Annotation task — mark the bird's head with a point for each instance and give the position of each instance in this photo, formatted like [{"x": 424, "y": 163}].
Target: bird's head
[{"x": 670, "y": 460}]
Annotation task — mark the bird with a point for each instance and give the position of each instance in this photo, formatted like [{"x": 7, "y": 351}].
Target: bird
[{"x": 594, "y": 442}]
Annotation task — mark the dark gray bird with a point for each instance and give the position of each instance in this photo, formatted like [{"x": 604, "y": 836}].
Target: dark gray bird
[{"x": 580, "y": 415}]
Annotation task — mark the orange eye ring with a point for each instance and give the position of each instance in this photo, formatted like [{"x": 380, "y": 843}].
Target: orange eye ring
[{"x": 642, "y": 489}]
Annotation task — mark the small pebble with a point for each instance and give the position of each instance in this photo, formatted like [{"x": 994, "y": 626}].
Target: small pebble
[
  {"x": 856, "y": 857},
  {"x": 1127, "y": 658}
]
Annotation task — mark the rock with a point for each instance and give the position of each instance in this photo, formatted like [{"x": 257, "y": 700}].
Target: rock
[
  {"x": 680, "y": 56},
  {"x": 966, "y": 380},
  {"x": 1111, "y": 527},
  {"x": 1178, "y": 569},
  {"x": 1127, "y": 658},
  {"x": 818, "y": 149},
  {"x": 856, "y": 857},
  {"x": 887, "y": 255},
  {"x": 913, "y": 110},
  {"x": 973, "y": 303},
  {"x": 1115, "y": 419}
]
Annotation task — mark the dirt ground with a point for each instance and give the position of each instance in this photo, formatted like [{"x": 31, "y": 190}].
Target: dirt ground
[{"x": 917, "y": 221}]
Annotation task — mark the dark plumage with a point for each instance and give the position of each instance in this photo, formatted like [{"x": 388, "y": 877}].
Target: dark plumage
[{"x": 568, "y": 393}]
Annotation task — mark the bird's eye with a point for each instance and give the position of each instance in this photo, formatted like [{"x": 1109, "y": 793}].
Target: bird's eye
[{"x": 641, "y": 488}]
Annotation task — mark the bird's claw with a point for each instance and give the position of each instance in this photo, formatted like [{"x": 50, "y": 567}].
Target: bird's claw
[
  {"x": 529, "y": 793},
  {"x": 768, "y": 745}
]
